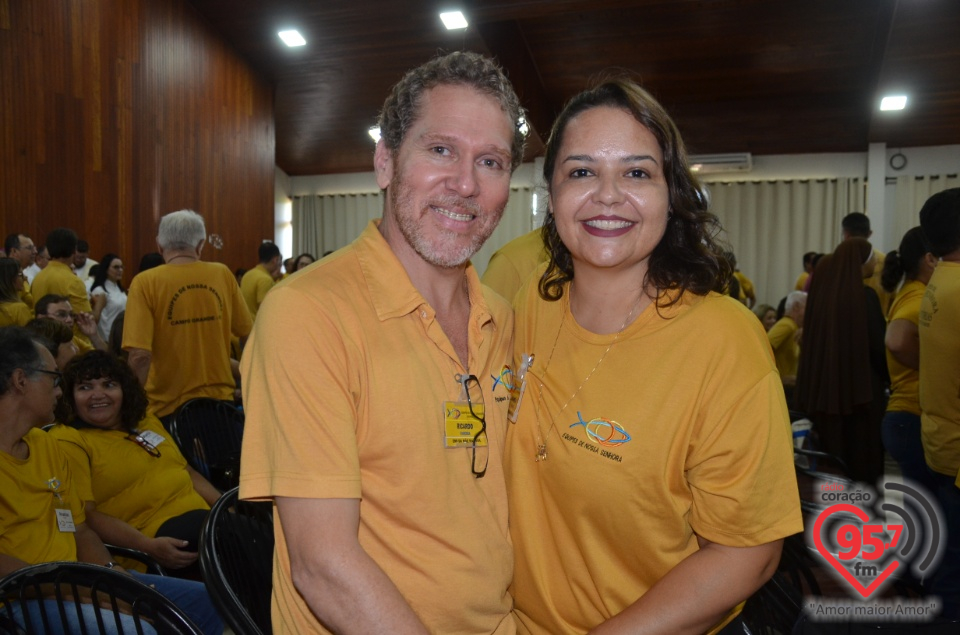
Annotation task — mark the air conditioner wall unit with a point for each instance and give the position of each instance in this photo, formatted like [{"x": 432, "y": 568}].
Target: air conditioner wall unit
[{"x": 714, "y": 163}]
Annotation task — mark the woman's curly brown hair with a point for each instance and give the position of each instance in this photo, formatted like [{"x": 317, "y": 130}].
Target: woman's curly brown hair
[
  {"x": 689, "y": 257},
  {"x": 103, "y": 365}
]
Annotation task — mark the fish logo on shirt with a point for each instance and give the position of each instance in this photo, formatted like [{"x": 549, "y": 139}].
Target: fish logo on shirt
[
  {"x": 505, "y": 378},
  {"x": 603, "y": 431}
]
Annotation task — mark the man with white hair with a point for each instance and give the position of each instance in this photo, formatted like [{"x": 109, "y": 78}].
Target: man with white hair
[
  {"x": 784, "y": 338},
  {"x": 180, "y": 318}
]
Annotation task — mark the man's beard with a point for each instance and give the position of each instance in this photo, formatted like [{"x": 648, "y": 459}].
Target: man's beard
[{"x": 447, "y": 252}]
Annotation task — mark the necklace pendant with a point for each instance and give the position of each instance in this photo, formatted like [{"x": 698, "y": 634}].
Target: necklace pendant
[{"x": 541, "y": 452}]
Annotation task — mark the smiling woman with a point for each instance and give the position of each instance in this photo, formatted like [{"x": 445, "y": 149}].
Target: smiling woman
[
  {"x": 144, "y": 494},
  {"x": 640, "y": 376}
]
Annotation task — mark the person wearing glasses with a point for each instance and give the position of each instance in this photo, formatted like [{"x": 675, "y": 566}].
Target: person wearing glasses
[
  {"x": 143, "y": 495},
  {"x": 20, "y": 247},
  {"x": 107, "y": 294},
  {"x": 42, "y": 516},
  {"x": 13, "y": 311},
  {"x": 650, "y": 470},
  {"x": 58, "y": 307},
  {"x": 375, "y": 384}
]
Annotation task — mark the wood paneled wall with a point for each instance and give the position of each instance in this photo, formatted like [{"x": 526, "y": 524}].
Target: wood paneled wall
[{"x": 116, "y": 112}]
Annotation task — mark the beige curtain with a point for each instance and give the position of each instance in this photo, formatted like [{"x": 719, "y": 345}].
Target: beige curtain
[
  {"x": 912, "y": 193},
  {"x": 328, "y": 222},
  {"x": 771, "y": 224}
]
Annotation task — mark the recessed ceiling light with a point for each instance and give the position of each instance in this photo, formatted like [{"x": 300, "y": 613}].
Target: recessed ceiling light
[
  {"x": 893, "y": 102},
  {"x": 292, "y": 38},
  {"x": 374, "y": 133},
  {"x": 453, "y": 20}
]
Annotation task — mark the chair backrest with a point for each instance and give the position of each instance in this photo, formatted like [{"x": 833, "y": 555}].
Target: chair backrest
[
  {"x": 42, "y": 599},
  {"x": 236, "y": 558},
  {"x": 210, "y": 433}
]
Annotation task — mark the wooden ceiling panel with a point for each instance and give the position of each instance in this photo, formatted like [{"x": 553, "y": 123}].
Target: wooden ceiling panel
[{"x": 737, "y": 75}]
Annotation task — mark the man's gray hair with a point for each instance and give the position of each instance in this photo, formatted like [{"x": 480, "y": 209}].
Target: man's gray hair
[
  {"x": 181, "y": 230},
  {"x": 794, "y": 299},
  {"x": 460, "y": 68}
]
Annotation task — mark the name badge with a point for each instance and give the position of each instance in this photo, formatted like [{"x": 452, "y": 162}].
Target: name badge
[
  {"x": 152, "y": 437},
  {"x": 519, "y": 387},
  {"x": 65, "y": 520},
  {"x": 460, "y": 427}
]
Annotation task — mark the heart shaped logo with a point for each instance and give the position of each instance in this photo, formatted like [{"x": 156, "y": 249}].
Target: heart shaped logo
[{"x": 865, "y": 591}]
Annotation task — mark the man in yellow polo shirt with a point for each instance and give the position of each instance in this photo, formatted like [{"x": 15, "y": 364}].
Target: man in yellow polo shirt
[
  {"x": 380, "y": 374},
  {"x": 939, "y": 327},
  {"x": 259, "y": 280},
  {"x": 513, "y": 263}
]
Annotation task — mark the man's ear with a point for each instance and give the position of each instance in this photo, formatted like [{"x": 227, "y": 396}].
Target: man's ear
[
  {"x": 200, "y": 247},
  {"x": 383, "y": 165}
]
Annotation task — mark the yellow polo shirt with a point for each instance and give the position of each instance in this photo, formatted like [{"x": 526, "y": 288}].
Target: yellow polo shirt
[
  {"x": 59, "y": 279},
  {"x": 512, "y": 264},
  {"x": 31, "y": 491},
  {"x": 786, "y": 352},
  {"x": 940, "y": 369},
  {"x": 905, "y": 382},
  {"x": 345, "y": 381},
  {"x": 185, "y": 316}
]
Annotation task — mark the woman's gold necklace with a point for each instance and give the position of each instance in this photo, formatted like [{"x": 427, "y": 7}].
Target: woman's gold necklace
[{"x": 541, "y": 438}]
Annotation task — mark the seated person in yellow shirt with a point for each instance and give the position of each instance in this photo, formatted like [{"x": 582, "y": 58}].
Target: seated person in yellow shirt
[
  {"x": 143, "y": 495},
  {"x": 58, "y": 307},
  {"x": 42, "y": 515}
]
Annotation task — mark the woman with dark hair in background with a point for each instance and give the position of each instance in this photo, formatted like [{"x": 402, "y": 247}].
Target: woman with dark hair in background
[
  {"x": 650, "y": 471},
  {"x": 144, "y": 495},
  {"x": 107, "y": 294},
  {"x": 912, "y": 264},
  {"x": 842, "y": 376},
  {"x": 303, "y": 260},
  {"x": 13, "y": 311}
]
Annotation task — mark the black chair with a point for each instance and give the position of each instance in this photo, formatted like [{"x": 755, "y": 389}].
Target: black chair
[
  {"x": 210, "y": 433},
  {"x": 153, "y": 567},
  {"x": 46, "y": 593},
  {"x": 236, "y": 558}
]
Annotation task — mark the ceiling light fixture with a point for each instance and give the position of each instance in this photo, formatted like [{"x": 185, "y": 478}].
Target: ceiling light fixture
[
  {"x": 893, "y": 102},
  {"x": 292, "y": 38},
  {"x": 453, "y": 20},
  {"x": 374, "y": 133}
]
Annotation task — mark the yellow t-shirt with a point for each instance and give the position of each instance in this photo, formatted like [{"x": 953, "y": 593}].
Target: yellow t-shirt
[
  {"x": 905, "y": 382},
  {"x": 682, "y": 430},
  {"x": 801, "y": 280},
  {"x": 125, "y": 480},
  {"x": 746, "y": 287},
  {"x": 31, "y": 491},
  {"x": 786, "y": 351},
  {"x": 345, "y": 381},
  {"x": 254, "y": 287},
  {"x": 874, "y": 282},
  {"x": 14, "y": 314},
  {"x": 59, "y": 279},
  {"x": 939, "y": 326},
  {"x": 512, "y": 264},
  {"x": 185, "y": 315},
  {"x": 26, "y": 296}
]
